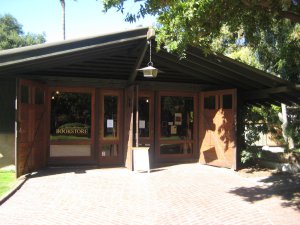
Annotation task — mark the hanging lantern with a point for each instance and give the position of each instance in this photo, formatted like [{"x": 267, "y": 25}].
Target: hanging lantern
[{"x": 149, "y": 71}]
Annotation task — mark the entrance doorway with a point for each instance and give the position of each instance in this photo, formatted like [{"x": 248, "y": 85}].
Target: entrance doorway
[
  {"x": 145, "y": 122},
  {"x": 71, "y": 125},
  {"x": 176, "y": 125},
  {"x": 98, "y": 126},
  {"x": 85, "y": 126},
  {"x": 109, "y": 145}
]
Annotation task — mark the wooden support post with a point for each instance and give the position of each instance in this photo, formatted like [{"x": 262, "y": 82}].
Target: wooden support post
[
  {"x": 137, "y": 116},
  {"x": 240, "y": 128}
]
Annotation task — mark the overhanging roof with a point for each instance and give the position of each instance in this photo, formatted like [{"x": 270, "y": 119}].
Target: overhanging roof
[{"x": 116, "y": 57}]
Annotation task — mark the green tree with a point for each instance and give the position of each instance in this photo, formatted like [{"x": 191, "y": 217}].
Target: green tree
[
  {"x": 13, "y": 36},
  {"x": 201, "y": 20},
  {"x": 270, "y": 27}
]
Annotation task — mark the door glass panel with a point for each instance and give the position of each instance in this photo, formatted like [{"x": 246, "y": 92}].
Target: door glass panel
[
  {"x": 227, "y": 101},
  {"x": 24, "y": 94},
  {"x": 110, "y": 117},
  {"x": 108, "y": 150},
  {"x": 144, "y": 117},
  {"x": 210, "y": 102},
  {"x": 182, "y": 148},
  {"x": 39, "y": 96},
  {"x": 177, "y": 118},
  {"x": 70, "y": 116}
]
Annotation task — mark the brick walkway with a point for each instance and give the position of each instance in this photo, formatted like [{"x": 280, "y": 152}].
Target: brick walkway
[{"x": 182, "y": 194}]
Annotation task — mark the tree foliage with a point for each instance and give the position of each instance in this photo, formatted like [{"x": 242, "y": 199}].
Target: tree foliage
[
  {"x": 198, "y": 21},
  {"x": 258, "y": 121},
  {"x": 271, "y": 28},
  {"x": 13, "y": 36},
  {"x": 293, "y": 128},
  {"x": 277, "y": 51}
]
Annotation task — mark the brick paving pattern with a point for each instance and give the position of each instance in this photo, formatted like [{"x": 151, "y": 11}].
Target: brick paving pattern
[{"x": 181, "y": 194}]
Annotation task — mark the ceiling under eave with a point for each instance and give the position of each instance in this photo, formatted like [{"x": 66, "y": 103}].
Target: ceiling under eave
[{"x": 116, "y": 56}]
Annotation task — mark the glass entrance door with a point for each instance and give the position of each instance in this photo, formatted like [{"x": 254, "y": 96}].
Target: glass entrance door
[
  {"x": 176, "y": 125},
  {"x": 110, "y": 127},
  {"x": 146, "y": 119},
  {"x": 71, "y": 125}
]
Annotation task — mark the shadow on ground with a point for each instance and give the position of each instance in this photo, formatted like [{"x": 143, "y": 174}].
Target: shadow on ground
[
  {"x": 83, "y": 169},
  {"x": 60, "y": 170},
  {"x": 284, "y": 185}
]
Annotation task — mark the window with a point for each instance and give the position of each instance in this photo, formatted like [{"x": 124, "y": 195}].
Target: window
[
  {"x": 144, "y": 123},
  {"x": 210, "y": 102},
  {"x": 24, "y": 94},
  {"x": 110, "y": 116},
  {"x": 110, "y": 125},
  {"x": 176, "y": 125},
  {"x": 39, "y": 96},
  {"x": 227, "y": 101},
  {"x": 70, "y": 116}
]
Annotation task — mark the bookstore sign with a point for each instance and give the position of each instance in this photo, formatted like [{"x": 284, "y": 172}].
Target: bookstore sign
[{"x": 72, "y": 131}]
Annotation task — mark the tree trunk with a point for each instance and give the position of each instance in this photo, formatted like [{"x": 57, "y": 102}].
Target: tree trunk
[
  {"x": 62, "y": 2},
  {"x": 283, "y": 118}
]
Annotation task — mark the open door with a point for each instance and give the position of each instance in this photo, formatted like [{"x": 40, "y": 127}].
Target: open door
[
  {"x": 218, "y": 128},
  {"x": 31, "y": 132}
]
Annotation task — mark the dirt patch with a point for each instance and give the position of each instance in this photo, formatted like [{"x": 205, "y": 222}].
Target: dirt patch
[
  {"x": 257, "y": 172},
  {"x": 266, "y": 172}
]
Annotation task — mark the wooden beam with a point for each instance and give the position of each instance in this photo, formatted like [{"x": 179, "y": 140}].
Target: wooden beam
[
  {"x": 78, "y": 81},
  {"x": 136, "y": 116},
  {"x": 137, "y": 64},
  {"x": 241, "y": 69},
  {"x": 283, "y": 99},
  {"x": 290, "y": 99},
  {"x": 210, "y": 71},
  {"x": 183, "y": 69},
  {"x": 265, "y": 93},
  {"x": 155, "y": 85},
  {"x": 186, "y": 67},
  {"x": 229, "y": 73},
  {"x": 87, "y": 70},
  {"x": 240, "y": 138}
]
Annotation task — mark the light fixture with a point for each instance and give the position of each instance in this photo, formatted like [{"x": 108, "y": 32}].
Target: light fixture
[{"x": 149, "y": 71}]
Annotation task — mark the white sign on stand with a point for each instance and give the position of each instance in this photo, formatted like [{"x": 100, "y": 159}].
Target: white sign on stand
[{"x": 141, "y": 159}]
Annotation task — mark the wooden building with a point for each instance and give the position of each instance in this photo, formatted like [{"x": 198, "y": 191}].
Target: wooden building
[{"x": 76, "y": 103}]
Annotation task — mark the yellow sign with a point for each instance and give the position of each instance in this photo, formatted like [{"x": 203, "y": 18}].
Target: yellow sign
[{"x": 72, "y": 131}]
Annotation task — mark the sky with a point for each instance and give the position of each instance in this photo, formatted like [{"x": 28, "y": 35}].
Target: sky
[{"x": 84, "y": 18}]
